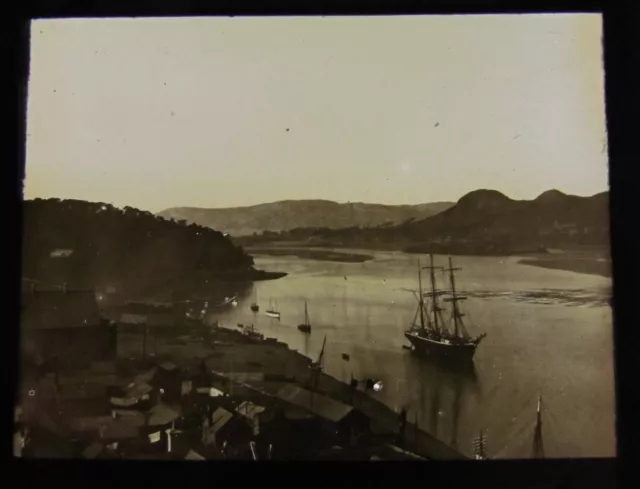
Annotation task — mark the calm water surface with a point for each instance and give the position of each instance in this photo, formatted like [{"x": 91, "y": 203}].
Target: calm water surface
[{"x": 548, "y": 332}]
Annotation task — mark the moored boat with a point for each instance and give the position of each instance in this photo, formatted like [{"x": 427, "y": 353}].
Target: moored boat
[
  {"x": 305, "y": 327},
  {"x": 254, "y": 305},
  {"x": 431, "y": 336},
  {"x": 273, "y": 312}
]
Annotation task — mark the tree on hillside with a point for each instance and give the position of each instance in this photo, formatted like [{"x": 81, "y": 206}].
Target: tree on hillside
[{"x": 111, "y": 244}]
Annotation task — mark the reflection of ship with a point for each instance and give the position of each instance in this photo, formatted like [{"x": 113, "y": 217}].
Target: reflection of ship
[
  {"x": 480, "y": 447},
  {"x": 442, "y": 392},
  {"x": 431, "y": 337},
  {"x": 537, "y": 450},
  {"x": 306, "y": 326},
  {"x": 272, "y": 312}
]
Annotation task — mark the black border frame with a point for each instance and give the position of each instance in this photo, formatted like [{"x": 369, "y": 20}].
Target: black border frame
[{"x": 621, "y": 43}]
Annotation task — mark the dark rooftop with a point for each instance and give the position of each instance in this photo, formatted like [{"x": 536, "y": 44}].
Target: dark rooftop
[
  {"x": 93, "y": 450},
  {"x": 318, "y": 404},
  {"x": 219, "y": 418}
]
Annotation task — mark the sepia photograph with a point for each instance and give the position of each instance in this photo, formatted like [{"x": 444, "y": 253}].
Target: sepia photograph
[{"x": 359, "y": 238}]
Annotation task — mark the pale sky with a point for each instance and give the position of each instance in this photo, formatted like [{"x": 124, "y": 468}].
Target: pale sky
[{"x": 158, "y": 113}]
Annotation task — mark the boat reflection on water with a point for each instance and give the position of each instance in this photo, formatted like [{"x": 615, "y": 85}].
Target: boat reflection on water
[{"x": 436, "y": 394}]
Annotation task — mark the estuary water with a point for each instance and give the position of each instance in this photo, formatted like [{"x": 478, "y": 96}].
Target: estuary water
[{"x": 549, "y": 333}]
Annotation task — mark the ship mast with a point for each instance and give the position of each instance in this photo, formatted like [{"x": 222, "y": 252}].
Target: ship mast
[
  {"x": 538, "y": 447},
  {"x": 420, "y": 296},
  {"x": 457, "y": 315},
  {"x": 433, "y": 294},
  {"x": 480, "y": 445},
  {"x": 306, "y": 314},
  {"x": 316, "y": 370},
  {"x": 320, "y": 362}
]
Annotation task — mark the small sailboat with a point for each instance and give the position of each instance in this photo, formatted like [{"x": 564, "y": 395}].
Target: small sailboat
[
  {"x": 306, "y": 326},
  {"x": 254, "y": 305},
  {"x": 273, "y": 312}
]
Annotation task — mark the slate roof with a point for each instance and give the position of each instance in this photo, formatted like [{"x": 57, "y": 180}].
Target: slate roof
[
  {"x": 48, "y": 309},
  {"x": 322, "y": 406},
  {"x": 249, "y": 409},
  {"x": 93, "y": 450},
  {"x": 219, "y": 418},
  {"x": 191, "y": 455},
  {"x": 141, "y": 378},
  {"x": 161, "y": 414}
]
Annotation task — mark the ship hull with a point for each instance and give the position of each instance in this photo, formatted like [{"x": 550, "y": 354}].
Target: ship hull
[
  {"x": 273, "y": 314},
  {"x": 429, "y": 348},
  {"x": 305, "y": 328}
]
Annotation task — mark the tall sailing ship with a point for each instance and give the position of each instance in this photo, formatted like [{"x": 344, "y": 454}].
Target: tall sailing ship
[{"x": 430, "y": 335}]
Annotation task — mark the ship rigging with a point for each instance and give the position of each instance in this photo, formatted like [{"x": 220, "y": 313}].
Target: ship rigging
[{"x": 429, "y": 334}]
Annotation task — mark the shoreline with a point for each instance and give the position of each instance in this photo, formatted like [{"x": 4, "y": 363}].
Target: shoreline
[
  {"x": 249, "y": 276},
  {"x": 265, "y": 365},
  {"x": 590, "y": 262},
  {"x": 381, "y": 415},
  {"x": 312, "y": 254},
  {"x": 587, "y": 266}
]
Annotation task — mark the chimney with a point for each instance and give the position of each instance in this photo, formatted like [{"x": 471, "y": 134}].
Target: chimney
[
  {"x": 33, "y": 288},
  {"x": 64, "y": 287},
  {"x": 168, "y": 432}
]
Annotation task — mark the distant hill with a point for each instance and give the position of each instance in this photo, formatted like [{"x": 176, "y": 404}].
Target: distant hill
[
  {"x": 490, "y": 220},
  {"x": 291, "y": 214},
  {"x": 481, "y": 222},
  {"x": 94, "y": 244}
]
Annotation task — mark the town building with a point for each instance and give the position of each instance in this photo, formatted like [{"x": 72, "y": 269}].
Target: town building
[
  {"x": 64, "y": 328},
  {"x": 330, "y": 421}
]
